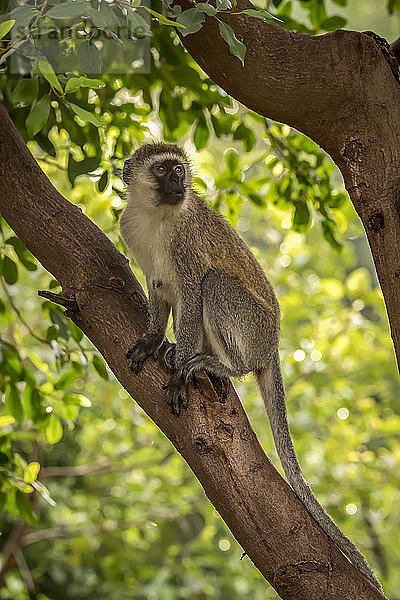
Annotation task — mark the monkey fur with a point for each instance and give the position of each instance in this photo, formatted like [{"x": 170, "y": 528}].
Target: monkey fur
[{"x": 225, "y": 313}]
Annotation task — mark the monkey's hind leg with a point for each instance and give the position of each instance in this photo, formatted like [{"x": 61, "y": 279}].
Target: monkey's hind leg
[{"x": 238, "y": 329}]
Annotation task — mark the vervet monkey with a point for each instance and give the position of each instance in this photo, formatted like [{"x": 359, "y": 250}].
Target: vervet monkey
[{"x": 225, "y": 313}]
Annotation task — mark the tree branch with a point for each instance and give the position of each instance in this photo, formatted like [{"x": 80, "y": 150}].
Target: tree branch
[
  {"x": 11, "y": 548},
  {"x": 342, "y": 90},
  {"x": 215, "y": 438}
]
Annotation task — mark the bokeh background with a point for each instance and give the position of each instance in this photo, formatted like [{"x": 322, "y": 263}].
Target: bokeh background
[{"x": 95, "y": 500}]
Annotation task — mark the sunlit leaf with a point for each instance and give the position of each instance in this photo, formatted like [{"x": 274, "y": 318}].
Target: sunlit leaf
[
  {"x": 236, "y": 47},
  {"x": 5, "y": 27},
  {"x": 54, "y": 430},
  {"x": 47, "y": 71},
  {"x": 31, "y": 472},
  {"x": 38, "y": 116}
]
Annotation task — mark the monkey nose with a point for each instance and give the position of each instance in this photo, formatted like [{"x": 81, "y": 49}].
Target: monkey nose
[{"x": 174, "y": 177}]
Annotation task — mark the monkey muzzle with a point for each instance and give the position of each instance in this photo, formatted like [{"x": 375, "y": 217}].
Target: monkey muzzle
[{"x": 171, "y": 189}]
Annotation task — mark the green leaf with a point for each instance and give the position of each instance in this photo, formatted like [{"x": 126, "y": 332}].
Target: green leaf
[
  {"x": 31, "y": 403},
  {"x": 192, "y": 19},
  {"x": 223, "y": 4},
  {"x": 235, "y": 46},
  {"x": 75, "y": 83},
  {"x": 69, "y": 10},
  {"x": 246, "y": 135},
  {"x": 261, "y": 14},
  {"x": 76, "y": 333},
  {"x": 22, "y": 15},
  {"x": 138, "y": 27},
  {"x": 301, "y": 216},
  {"x": 38, "y": 116},
  {"x": 24, "y": 507},
  {"x": 25, "y": 257},
  {"x": 25, "y": 92},
  {"x": 257, "y": 199},
  {"x": 52, "y": 333},
  {"x": 390, "y": 6},
  {"x": 252, "y": 12},
  {"x": 65, "y": 381},
  {"x": 100, "y": 366},
  {"x": 54, "y": 430},
  {"x": 333, "y": 23},
  {"x": 208, "y": 9},
  {"x": 57, "y": 317},
  {"x": 201, "y": 134},
  {"x": 232, "y": 160},
  {"x": 6, "y": 420},
  {"x": 81, "y": 167},
  {"x": 110, "y": 19},
  {"x": 13, "y": 403},
  {"x": 10, "y": 271},
  {"x": 327, "y": 229},
  {"x": 105, "y": 18},
  {"x": 31, "y": 472},
  {"x": 5, "y": 27},
  {"x": 161, "y": 19},
  {"x": 103, "y": 182},
  {"x": 84, "y": 401},
  {"x": 47, "y": 71},
  {"x": 89, "y": 57},
  {"x": 85, "y": 115}
]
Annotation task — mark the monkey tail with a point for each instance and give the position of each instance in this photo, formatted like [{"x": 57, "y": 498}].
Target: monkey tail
[{"x": 273, "y": 394}]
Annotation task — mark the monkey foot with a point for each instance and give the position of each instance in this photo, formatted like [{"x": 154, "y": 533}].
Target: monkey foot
[
  {"x": 177, "y": 397},
  {"x": 169, "y": 356},
  {"x": 141, "y": 350}
]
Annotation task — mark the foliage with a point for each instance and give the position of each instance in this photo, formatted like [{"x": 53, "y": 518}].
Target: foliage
[
  {"x": 129, "y": 520},
  {"x": 110, "y": 510}
]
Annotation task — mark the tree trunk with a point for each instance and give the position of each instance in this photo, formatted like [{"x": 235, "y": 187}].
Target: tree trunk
[
  {"x": 342, "y": 90},
  {"x": 106, "y": 302}
]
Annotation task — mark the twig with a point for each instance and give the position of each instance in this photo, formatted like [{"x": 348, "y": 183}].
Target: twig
[
  {"x": 24, "y": 570},
  {"x": 69, "y": 303},
  {"x": 36, "y": 21},
  {"x": 20, "y": 317},
  {"x": 11, "y": 547}
]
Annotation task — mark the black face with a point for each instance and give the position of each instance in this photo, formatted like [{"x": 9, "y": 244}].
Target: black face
[{"x": 170, "y": 176}]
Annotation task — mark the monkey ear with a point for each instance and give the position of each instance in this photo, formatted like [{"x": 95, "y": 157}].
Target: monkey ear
[{"x": 127, "y": 170}]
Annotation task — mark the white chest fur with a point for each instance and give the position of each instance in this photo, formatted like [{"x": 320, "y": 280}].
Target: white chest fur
[{"x": 147, "y": 233}]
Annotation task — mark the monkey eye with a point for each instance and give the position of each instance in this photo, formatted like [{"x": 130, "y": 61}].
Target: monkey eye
[
  {"x": 178, "y": 170},
  {"x": 160, "y": 169}
]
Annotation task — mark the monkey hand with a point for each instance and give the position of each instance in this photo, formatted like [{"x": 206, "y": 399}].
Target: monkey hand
[
  {"x": 142, "y": 349},
  {"x": 176, "y": 394}
]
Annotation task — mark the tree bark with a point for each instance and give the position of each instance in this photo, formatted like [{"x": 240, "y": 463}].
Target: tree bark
[
  {"x": 216, "y": 439},
  {"x": 342, "y": 90}
]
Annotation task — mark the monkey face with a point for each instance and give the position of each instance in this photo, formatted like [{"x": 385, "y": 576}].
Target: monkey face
[{"x": 169, "y": 175}]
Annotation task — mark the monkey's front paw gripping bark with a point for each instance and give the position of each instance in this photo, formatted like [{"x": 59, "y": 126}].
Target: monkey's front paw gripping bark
[
  {"x": 176, "y": 395},
  {"x": 140, "y": 351}
]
